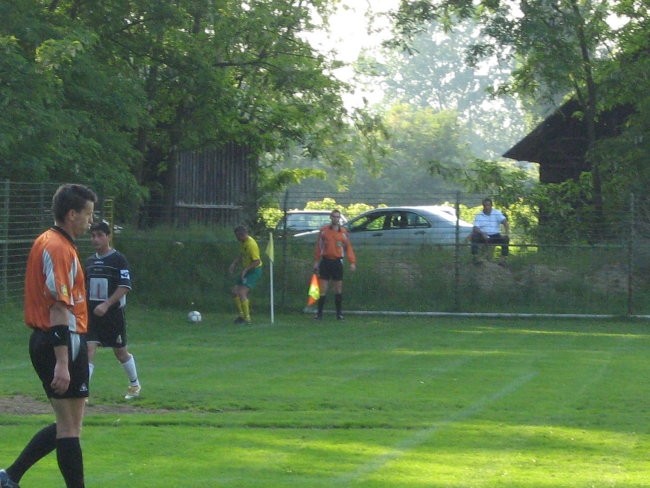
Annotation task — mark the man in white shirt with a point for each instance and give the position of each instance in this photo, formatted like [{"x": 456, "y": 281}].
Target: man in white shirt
[{"x": 487, "y": 229}]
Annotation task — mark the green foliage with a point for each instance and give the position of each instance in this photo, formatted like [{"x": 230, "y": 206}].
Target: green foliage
[
  {"x": 270, "y": 216},
  {"x": 107, "y": 94},
  {"x": 513, "y": 190},
  {"x": 434, "y": 73},
  {"x": 196, "y": 266},
  {"x": 431, "y": 138},
  {"x": 424, "y": 149},
  {"x": 563, "y": 49},
  {"x": 564, "y": 211}
]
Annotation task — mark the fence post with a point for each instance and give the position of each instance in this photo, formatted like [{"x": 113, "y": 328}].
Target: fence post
[
  {"x": 283, "y": 271},
  {"x": 630, "y": 260},
  {"x": 457, "y": 257},
  {"x": 108, "y": 215},
  {"x": 4, "y": 238}
]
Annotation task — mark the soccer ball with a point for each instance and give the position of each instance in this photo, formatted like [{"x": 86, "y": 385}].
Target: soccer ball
[{"x": 194, "y": 316}]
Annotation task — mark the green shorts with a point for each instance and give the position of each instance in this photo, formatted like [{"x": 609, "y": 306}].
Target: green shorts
[{"x": 251, "y": 278}]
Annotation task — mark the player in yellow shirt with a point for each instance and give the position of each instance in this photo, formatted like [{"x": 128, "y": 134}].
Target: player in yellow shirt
[{"x": 250, "y": 262}]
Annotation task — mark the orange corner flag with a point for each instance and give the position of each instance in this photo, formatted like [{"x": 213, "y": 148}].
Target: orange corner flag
[{"x": 314, "y": 291}]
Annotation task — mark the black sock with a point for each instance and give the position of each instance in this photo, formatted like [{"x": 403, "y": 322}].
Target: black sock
[
  {"x": 43, "y": 443},
  {"x": 338, "y": 302},
  {"x": 321, "y": 304},
  {"x": 68, "y": 454}
]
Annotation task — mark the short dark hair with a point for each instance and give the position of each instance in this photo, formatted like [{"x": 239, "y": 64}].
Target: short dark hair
[
  {"x": 241, "y": 229},
  {"x": 71, "y": 196},
  {"x": 101, "y": 227},
  {"x": 487, "y": 200}
]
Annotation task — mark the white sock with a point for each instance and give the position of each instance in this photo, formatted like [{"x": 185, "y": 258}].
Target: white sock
[
  {"x": 91, "y": 368},
  {"x": 131, "y": 371}
]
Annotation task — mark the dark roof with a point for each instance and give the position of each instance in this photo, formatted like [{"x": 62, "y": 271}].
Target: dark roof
[
  {"x": 560, "y": 142},
  {"x": 560, "y": 134}
]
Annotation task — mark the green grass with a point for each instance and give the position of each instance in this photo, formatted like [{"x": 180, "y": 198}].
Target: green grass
[{"x": 370, "y": 402}]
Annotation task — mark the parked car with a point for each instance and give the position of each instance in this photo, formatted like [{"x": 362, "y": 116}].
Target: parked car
[
  {"x": 405, "y": 226},
  {"x": 297, "y": 221}
]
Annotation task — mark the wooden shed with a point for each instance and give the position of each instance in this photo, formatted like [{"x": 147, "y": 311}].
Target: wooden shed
[{"x": 215, "y": 185}]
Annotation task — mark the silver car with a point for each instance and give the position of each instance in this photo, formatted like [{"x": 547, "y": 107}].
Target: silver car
[
  {"x": 300, "y": 221},
  {"x": 406, "y": 226}
]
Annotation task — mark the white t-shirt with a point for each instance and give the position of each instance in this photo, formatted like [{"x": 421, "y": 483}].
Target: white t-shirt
[{"x": 490, "y": 224}]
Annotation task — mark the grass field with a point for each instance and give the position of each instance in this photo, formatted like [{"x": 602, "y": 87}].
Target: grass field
[{"x": 369, "y": 402}]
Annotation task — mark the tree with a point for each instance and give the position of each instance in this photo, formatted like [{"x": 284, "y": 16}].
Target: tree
[
  {"x": 434, "y": 73},
  {"x": 558, "y": 45},
  {"x": 108, "y": 93},
  {"x": 624, "y": 159},
  {"x": 65, "y": 112}
]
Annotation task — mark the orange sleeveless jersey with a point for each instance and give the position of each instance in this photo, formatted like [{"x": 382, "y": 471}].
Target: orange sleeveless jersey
[
  {"x": 54, "y": 274},
  {"x": 334, "y": 244}
]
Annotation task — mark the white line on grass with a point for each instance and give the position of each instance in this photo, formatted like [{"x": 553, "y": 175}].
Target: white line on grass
[{"x": 420, "y": 436}]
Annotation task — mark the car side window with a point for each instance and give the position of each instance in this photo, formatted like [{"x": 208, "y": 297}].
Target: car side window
[
  {"x": 372, "y": 222},
  {"x": 419, "y": 221},
  {"x": 400, "y": 220}
]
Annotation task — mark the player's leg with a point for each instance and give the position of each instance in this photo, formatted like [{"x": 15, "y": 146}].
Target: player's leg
[
  {"x": 237, "y": 299},
  {"x": 245, "y": 303},
  {"x": 251, "y": 279},
  {"x": 337, "y": 286},
  {"x": 69, "y": 415},
  {"x": 324, "y": 276},
  {"x": 44, "y": 442},
  {"x": 92, "y": 349},
  {"x": 69, "y": 411},
  {"x": 127, "y": 360}
]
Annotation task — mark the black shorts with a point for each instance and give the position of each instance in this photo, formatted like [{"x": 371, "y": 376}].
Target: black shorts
[
  {"x": 43, "y": 359},
  {"x": 109, "y": 330},
  {"x": 330, "y": 269}
]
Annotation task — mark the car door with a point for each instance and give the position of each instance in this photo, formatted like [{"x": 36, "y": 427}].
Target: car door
[
  {"x": 408, "y": 228},
  {"x": 369, "y": 229},
  {"x": 389, "y": 228},
  {"x": 443, "y": 229}
]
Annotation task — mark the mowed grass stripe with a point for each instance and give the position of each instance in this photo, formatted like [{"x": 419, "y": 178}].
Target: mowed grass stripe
[{"x": 419, "y": 437}]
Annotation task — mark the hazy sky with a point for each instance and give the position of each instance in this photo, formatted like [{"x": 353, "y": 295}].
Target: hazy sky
[{"x": 349, "y": 34}]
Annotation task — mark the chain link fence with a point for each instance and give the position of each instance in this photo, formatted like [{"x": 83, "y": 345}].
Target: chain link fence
[
  {"x": 608, "y": 276},
  {"x": 25, "y": 212}
]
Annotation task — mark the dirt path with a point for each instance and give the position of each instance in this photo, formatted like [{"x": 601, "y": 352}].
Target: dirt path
[{"x": 24, "y": 405}]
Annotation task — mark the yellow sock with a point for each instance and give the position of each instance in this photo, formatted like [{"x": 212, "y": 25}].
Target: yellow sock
[
  {"x": 245, "y": 305},
  {"x": 238, "y": 305}
]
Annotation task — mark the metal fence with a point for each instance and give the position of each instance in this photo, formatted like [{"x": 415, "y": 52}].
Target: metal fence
[
  {"x": 25, "y": 212},
  {"x": 609, "y": 277}
]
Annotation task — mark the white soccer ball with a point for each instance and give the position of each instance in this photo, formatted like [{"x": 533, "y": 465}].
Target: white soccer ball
[{"x": 194, "y": 316}]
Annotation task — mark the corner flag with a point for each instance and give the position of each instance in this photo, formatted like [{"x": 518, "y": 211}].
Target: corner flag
[
  {"x": 314, "y": 291},
  {"x": 270, "y": 252}
]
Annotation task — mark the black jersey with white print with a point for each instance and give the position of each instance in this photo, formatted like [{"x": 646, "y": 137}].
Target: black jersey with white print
[{"x": 104, "y": 274}]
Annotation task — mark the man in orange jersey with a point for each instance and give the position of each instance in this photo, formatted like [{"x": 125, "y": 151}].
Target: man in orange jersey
[
  {"x": 333, "y": 244},
  {"x": 56, "y": 311}
]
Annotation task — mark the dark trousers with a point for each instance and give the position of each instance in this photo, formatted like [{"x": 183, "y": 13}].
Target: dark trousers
[{"x": 492, "y": 239}]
